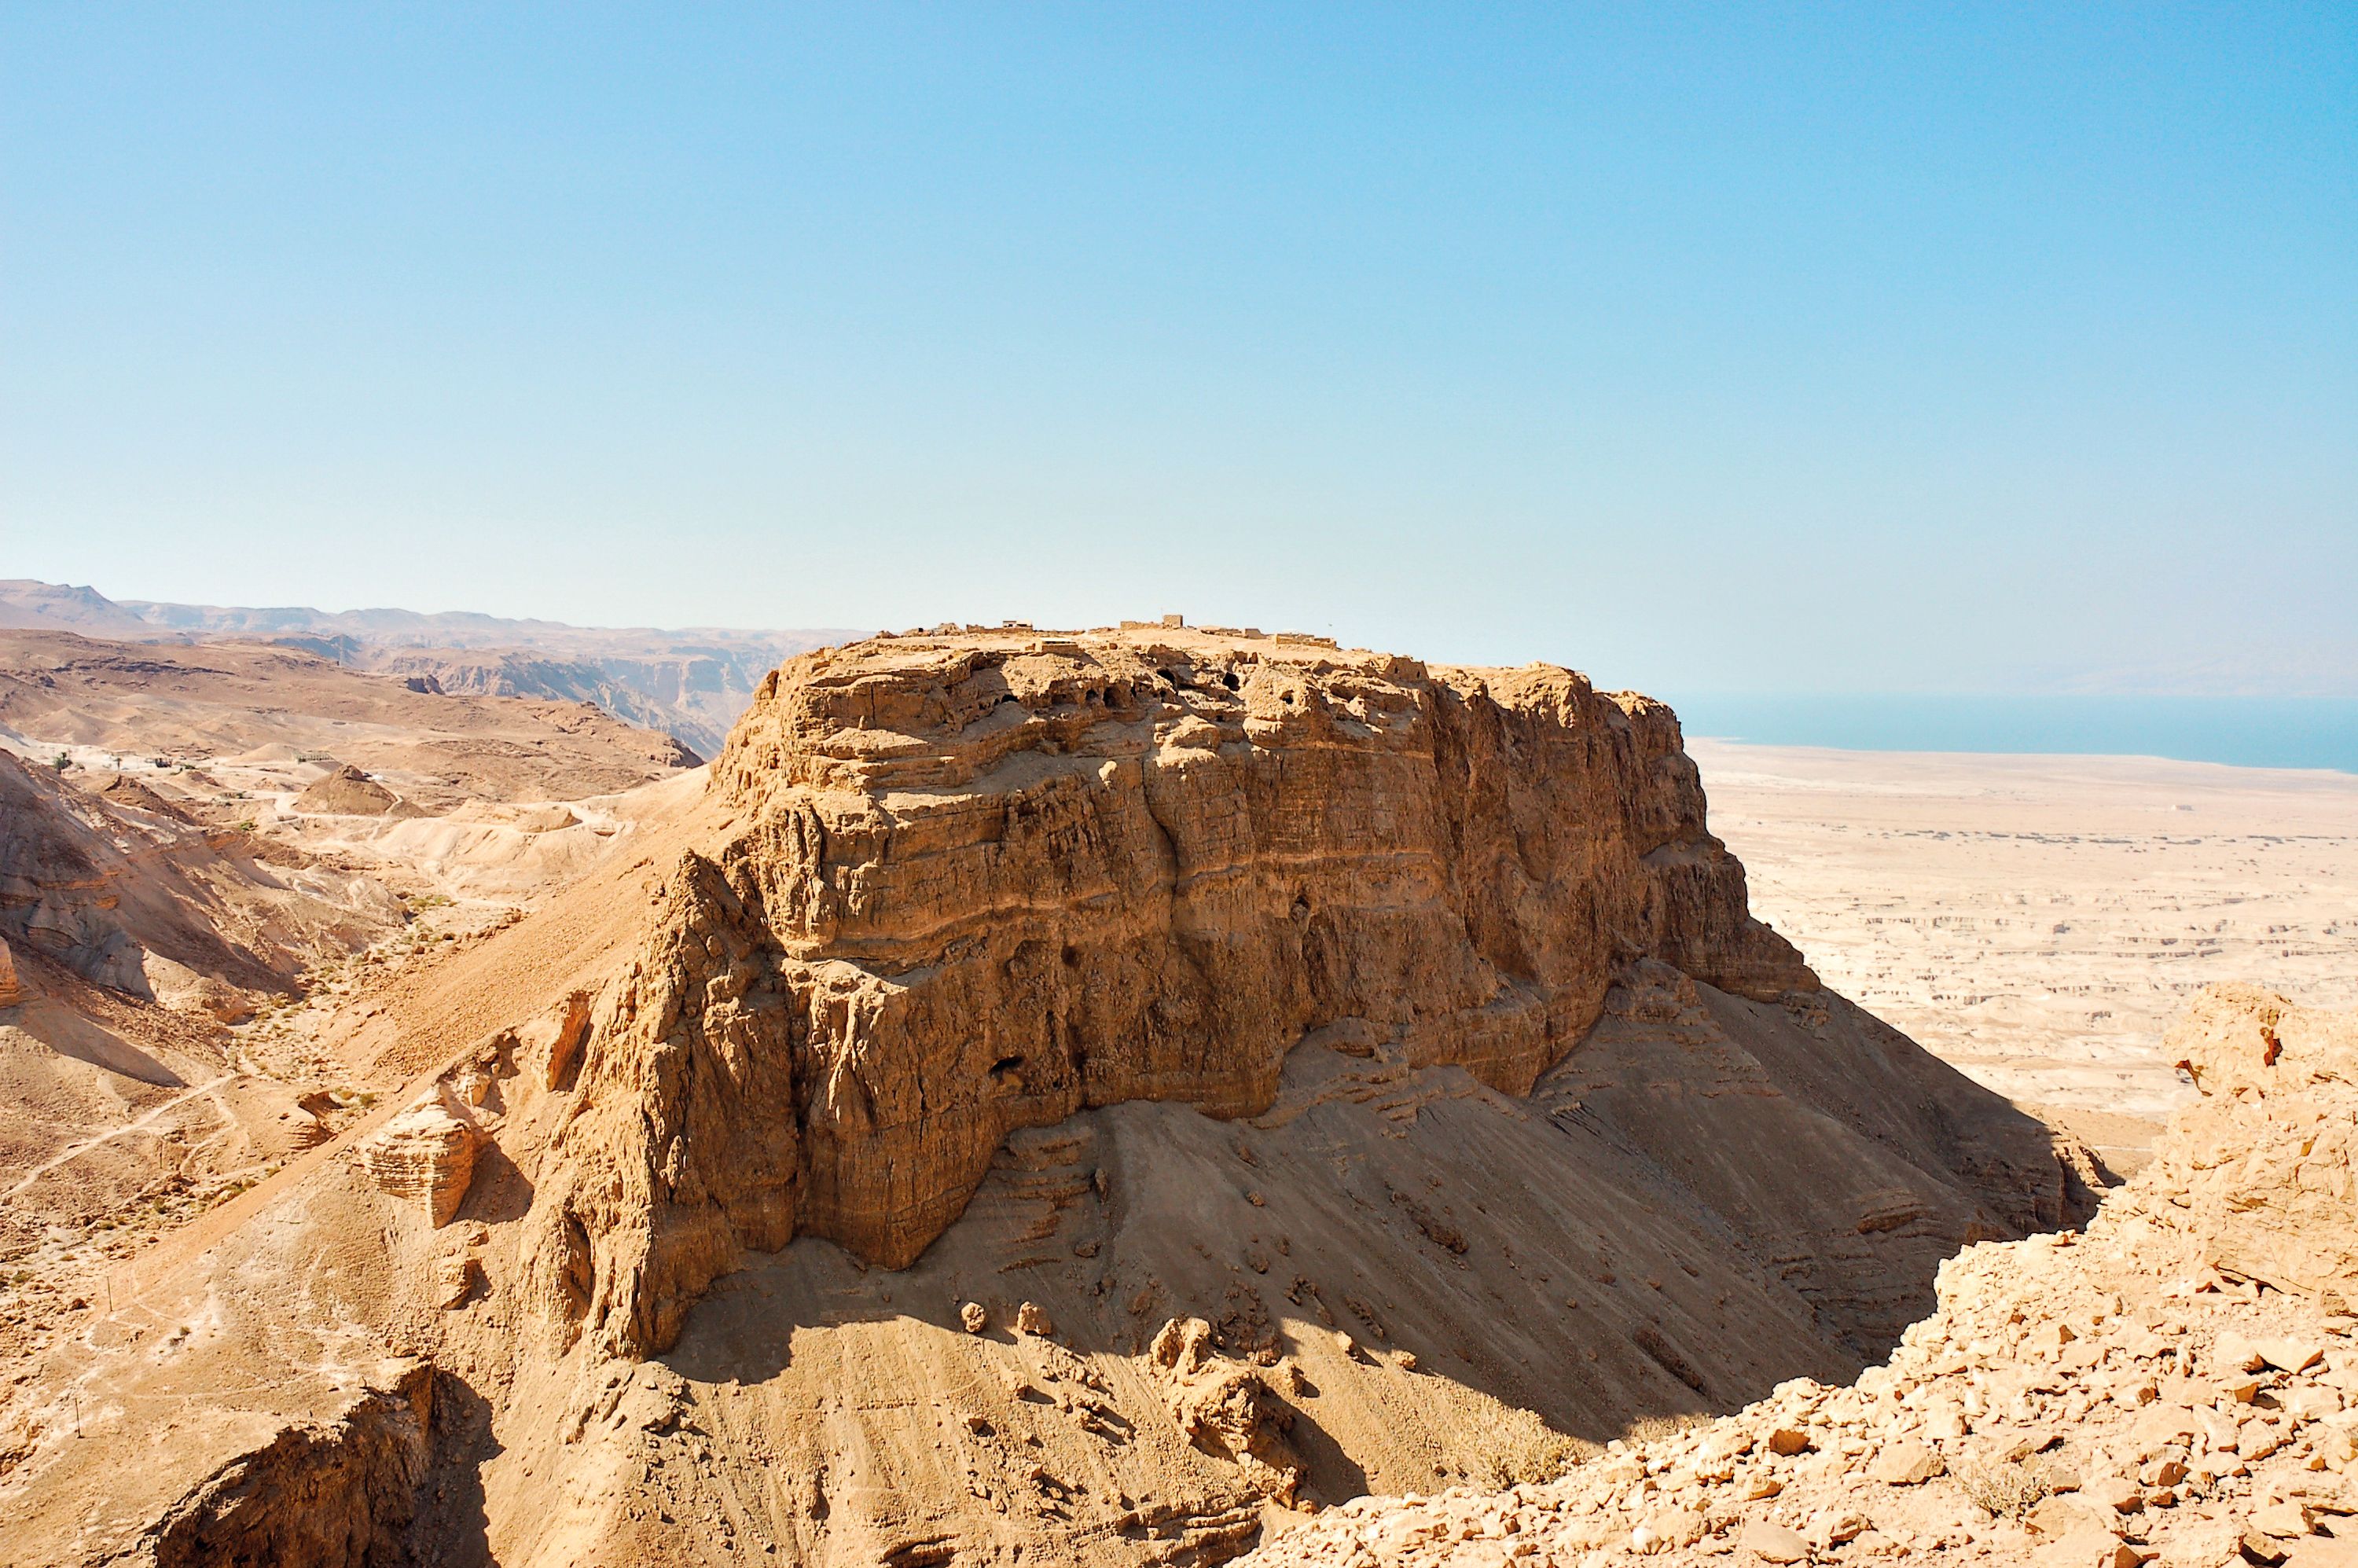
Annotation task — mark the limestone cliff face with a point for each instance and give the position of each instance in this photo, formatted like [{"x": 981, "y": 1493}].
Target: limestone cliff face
[
  {"x": 974, "y": 884},
  {"x": 2260, "y": 1178}
]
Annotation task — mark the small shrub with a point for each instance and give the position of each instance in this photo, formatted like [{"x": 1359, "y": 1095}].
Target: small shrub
[
  {"x": 2003, "y": 1488},
  {"x": 1519, "y": 1449}
]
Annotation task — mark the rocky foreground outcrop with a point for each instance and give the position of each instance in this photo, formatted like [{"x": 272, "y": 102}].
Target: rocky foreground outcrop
[
  {"x": 2177, "y": 1385},
  {"x": 425, "y": 1153},
  {"x": 978, "y": 884}
]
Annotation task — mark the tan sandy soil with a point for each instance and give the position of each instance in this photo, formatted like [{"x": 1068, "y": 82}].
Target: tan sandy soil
[
  {"x": 131, "y": 1116},
  {"x": 2036, "y": 920}
]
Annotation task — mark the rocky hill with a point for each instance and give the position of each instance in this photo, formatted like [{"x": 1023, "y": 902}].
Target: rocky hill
[
  {"x": 130, "y": 937},
  {"x": 123, "y": 892},
  {"x": 236, "y": 701},
  {"x": 1055, "y": 1099},
  {"x": 2177, "y": 1385},
  {"x": 689, "y": 684}
]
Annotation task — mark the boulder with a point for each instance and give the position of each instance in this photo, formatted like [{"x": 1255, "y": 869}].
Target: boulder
[
  {"x": 1772, "y": 1543},
  {"x": 427, "y": 1152},
  {"x": 1227, "y": 1408},
  {"x": 1908, "y": 1464}
]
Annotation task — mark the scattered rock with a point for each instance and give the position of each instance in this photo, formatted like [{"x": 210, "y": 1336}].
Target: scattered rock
[
  {"x": 1772, "y": 1543},
  {"x": 2113, "y": 1398},
  {"x": 1908, "y": 1464}
]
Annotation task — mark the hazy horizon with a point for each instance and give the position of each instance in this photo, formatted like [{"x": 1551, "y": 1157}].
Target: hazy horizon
[{"x": 1799, "y": 349}]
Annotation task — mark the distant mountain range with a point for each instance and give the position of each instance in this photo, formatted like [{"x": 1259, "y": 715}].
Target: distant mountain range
[{"x": 690, "y": 683}]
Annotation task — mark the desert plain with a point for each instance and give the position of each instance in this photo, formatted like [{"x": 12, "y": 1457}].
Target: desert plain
[{"x": 2036, "y": 921}]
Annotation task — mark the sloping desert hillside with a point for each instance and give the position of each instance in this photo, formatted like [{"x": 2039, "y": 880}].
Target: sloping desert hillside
[
  {"x": 251, "y": 702},
  {"x": 197, "y": 915},
  {"x": 2179, "y": 1385},
  {"x": 690, "y": 684}
]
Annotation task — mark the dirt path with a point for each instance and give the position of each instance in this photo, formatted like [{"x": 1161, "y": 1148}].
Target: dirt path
[{"x": 109, "y": 1136}]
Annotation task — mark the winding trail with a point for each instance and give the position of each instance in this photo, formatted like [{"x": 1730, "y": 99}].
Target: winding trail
[{"x": 137, "y": 1123}]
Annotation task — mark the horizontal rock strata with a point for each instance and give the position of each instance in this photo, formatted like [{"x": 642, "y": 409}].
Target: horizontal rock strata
[
  {"x": 427, "y": 1152},
  {"x": 981, "y": 883}
]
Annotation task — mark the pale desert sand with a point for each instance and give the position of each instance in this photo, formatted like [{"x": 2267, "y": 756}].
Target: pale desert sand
[{"x": 2037, "y": 921}]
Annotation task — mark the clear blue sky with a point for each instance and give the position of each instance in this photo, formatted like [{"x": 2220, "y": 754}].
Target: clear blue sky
[{"x": 1942, "y": 347}]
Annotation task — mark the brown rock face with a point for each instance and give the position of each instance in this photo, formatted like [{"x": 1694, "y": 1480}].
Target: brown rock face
[
  {"x": 981, "y": 883},
  {"x": 426, "y": 1152},
  {"x": 11, "y": 992},
  {"x": 334, "y": 1495}
]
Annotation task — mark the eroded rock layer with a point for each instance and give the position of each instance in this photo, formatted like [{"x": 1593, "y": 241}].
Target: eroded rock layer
[{"x": 982, "y": 883}]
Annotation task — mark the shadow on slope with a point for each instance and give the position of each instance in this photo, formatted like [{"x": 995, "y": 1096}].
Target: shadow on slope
[{"x": 1709, "y": 1196}]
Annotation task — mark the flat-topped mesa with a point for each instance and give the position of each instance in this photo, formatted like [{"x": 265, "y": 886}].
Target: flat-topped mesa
[{"x": 980, "y": 882}]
